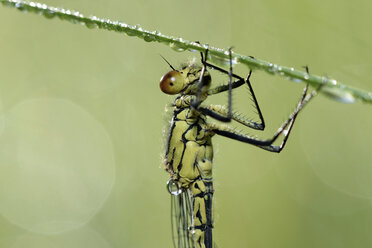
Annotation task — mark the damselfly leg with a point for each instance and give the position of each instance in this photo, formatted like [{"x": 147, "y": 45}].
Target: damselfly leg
[{"x": 221, "y": 114}]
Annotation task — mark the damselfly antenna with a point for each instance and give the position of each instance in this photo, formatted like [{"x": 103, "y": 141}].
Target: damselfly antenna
[{"x": 168, "y": 63}]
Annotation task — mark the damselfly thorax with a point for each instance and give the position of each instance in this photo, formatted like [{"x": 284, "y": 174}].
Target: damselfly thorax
[{"x": 189, "y": 150}]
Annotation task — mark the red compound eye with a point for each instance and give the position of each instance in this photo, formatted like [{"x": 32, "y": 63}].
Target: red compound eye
[{"x": 172, "y": 83}]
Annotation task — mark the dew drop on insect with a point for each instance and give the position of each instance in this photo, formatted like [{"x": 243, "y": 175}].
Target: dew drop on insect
[
  {"x": 173, "y": 188},
  {"x": 338, "y": 95}
]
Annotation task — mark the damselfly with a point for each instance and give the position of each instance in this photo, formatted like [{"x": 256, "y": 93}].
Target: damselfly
[{"x": 189, "y": 153}]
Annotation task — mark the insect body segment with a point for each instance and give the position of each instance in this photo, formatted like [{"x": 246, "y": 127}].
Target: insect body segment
[{"x": 189, "y": 152}]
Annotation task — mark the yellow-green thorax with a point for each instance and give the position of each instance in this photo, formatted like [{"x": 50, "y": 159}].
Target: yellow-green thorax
[{"x": 189, "y": 149}]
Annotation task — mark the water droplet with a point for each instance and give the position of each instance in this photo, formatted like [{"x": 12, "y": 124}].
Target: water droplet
[
  {"x": 7, "y": 4},
  {"x": 156, "y": 33},
  {"x": 61, "y": 13},
  {"x": 148, "y": 37},
  {"x": 173, "y": 187},
  {"x": 137, "y": 26},
  {"x": 296, "y": 80},
  {"x": 192, "y": 50},
  {"x": 306, "y": 77},
  {"x": 292, "y": 69},
  {"x": 273, "y": 68},
  {"x": 122, "y": 24},
  {"x": 49, "y": 14},
  {"x": 42, "y": 6},
  {"x": 105, "y": 25},
  {"x": 176, "y": 47},
  {"x": 20, "y": 6},
  {"x": 91, "y": 24},
  {"x": 193, "y": 44},
  {"x": 120, "y": 27},
  {"x": 130, "y": 31},
  {"x": 222, "y": 61},
  {"x": 70, "y": 16},
  {"x": 205, "y": 46},
  {"x": 338, "y": 94}
]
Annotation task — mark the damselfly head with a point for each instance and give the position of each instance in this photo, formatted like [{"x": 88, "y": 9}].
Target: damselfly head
[
  {"x": 185, "y": 81},
  {"x": 172, "y": 82}
]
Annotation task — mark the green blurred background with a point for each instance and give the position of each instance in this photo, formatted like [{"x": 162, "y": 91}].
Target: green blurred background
[{"x": 81, "y": 120}]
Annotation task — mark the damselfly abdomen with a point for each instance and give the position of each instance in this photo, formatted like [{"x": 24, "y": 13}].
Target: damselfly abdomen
[{"x": 189, "y": 152}]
